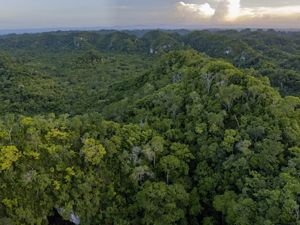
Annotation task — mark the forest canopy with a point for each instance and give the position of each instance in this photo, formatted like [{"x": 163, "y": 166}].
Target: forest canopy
[{"x": 161, "y": 128}]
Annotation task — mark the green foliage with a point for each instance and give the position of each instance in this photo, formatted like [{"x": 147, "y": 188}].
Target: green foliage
[
  {"x": 162, "y": 204},
  {"x": 93, "y": 151},
  {"x": 160, "y": 137},
  {"x": 8, "y": 155}
]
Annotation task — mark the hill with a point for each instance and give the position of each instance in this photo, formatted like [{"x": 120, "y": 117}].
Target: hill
[
  {"x": 270, "y": 53},
  {"x": 194, "y": 140}
]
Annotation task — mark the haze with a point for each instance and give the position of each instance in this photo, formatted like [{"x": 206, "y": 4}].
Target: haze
[{"x": 156, "y": 13}]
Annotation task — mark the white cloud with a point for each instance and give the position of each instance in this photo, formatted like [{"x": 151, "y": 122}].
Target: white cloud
[
  {"x": 234, "y": 9},
  {"x": 231, "y": 11},
  {"x": 269, "y": 11},
  {"x": 203, "y": 10}
]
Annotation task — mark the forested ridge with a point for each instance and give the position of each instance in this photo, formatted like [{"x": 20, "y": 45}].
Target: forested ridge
[{"x": 157, "y": 128}]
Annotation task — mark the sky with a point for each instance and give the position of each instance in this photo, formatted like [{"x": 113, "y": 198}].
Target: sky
[{"x": 22, "y": 14}]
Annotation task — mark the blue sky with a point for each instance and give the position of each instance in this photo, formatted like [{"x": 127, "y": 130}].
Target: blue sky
[{"x": 174, "y": 13}]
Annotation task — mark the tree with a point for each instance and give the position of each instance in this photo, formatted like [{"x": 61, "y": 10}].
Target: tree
[
  {"x": 8, "y": 156},
  {"x": 92, "y": 151},
  {"x": 162, "y": 204}
]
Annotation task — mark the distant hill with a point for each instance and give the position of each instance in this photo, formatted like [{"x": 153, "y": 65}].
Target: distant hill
[{"x": 270, "y": 53}]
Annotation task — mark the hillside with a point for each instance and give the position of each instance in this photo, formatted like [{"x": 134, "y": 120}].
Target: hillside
[
  {"x": 270, "y": 53},
  {"x": 109, "y": 132}
]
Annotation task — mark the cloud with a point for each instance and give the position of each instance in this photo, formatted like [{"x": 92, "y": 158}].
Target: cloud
[
  {"x": 202, "y": 10},
  {"x": 231, "y": 12}
]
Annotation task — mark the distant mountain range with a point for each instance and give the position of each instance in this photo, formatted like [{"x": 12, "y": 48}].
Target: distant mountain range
[{"x": 129, "y": 28}]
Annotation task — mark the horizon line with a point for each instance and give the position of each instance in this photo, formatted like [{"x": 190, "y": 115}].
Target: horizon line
[{"x": 7, "y": 31}]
